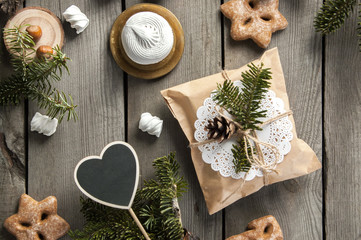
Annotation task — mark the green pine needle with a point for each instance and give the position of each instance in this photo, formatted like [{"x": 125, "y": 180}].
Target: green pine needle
[
  {"x": 153, "y": 204},
  {"x": 33, "y": 77},
  {"x": 244, "y": 105},
  {"x": 332, "y": 15},
  {"x": 240, "y": 161}
]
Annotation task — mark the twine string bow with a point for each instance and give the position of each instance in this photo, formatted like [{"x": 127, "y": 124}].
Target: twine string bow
[{"x": 256, "y": 159}]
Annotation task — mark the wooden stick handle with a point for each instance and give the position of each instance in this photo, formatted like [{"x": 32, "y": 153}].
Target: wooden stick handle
[{"x": 145, "y": 234}]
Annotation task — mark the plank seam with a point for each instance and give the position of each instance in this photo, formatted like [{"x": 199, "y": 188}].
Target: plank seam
[
  {"x": 222, "y": 39},
  {"x": 26, "y": 139},
  {"x": 324, "y": 156},
  {"x": 26, "y": 144},
  {"x": 125, "y": 81},
  {"x": 223, "y": 66}
]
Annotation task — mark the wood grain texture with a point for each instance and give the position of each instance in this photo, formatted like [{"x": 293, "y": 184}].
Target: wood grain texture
[
  {"x": 96, "y": 83},
  {"x": 202, "y": 57},
  {"x": 12, "y": 162},
  {"x": 52, "y": 33},
  {"x": 343, "y": 133},
  {"x": 12, "y": 149},
  {"x": 297, "y": 203}
]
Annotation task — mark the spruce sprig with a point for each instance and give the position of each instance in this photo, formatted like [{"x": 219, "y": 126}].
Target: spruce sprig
[
  {"x": 240, "y": 161},
  {"x": 44, "y": 71},
  {"x": 159, "y": 197},
  {"x": 153, "y": 204},
  {"x": 105, "y": 223},
  {"x": 33, "y": 77},
  {"x": 244, "y": 105},
  {"x": 255, "y": 85},
  {"x": 229, "y": 97},
  {"x": 332, "y": 15},
  {"x": 20, "y": 43},
  {"x": 56, "y": 103}
]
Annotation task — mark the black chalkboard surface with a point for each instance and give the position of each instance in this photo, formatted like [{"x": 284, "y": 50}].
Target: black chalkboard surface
[{"x": 111, "y": 178}]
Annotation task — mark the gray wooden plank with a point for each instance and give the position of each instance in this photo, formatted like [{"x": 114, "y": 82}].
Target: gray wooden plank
[
  {"x": 12, "y": 149},
  {"x": 202, "y": 57},
  {"x": 297, "y": 204},
  {"x": 342, "y": 133},
  {"x": 12, "y": 162},
  {"x": 96, "y": 83}
]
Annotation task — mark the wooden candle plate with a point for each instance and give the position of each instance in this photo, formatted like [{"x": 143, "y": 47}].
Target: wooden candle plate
[
  {"x": 150, "y": 71},
  {"x": 53, "y": 32}
]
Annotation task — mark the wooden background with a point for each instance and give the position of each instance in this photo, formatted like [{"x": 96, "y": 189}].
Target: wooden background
[{"x": 323, "y": 82}]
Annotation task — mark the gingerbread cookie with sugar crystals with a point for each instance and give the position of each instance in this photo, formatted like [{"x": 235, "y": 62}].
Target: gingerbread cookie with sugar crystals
[
  {"x": 37, "y": 220},
  {"x": 255, "y": 19},
  {"x": 264, "y": 228}
]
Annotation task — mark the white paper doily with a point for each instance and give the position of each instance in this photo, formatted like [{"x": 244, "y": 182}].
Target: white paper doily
[{"x": 219, "y": 155}]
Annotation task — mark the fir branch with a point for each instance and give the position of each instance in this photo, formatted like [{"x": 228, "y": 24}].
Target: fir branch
[
  {"x": 12, "y": 90},
  {"x": 105, "y": 223},
  {"x": 167, "y": 172},
  {"x": 332, "y": 15},
  {"x": 55, "y": 103},
  {"x": 19, "y": 42},
  {"x": 244, "y": 105},
  {"x": 20, "y": 46},
  {"x": 33, "y": 77},
  {"x": 240, "y": 161},
  {"x": 42, "y": 71},
  {"x": 168, "y": 187},
  {"x": 229, "y": 97},
  {"x": 153, "y": 204},
  {"x": 255, "y": 85}
]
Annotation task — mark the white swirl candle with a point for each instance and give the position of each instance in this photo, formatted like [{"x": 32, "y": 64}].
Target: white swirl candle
[{"x": 147, "y": 38}]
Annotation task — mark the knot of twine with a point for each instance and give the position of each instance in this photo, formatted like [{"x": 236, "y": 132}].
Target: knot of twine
[{"x": 256, "y": 160}]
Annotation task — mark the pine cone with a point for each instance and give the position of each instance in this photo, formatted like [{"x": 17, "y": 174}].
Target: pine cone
[
  {"x": 221, "y": 129},
  {"x": 10, "y": 6}
]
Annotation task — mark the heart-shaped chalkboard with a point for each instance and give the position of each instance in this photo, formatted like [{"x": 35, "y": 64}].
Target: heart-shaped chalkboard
[{"x": 110, "y": 179}]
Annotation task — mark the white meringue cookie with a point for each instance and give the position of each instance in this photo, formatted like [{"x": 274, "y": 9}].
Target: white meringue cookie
[
  {"x": 44, "y": 124},
  {"x": 147, "y": 38},
  {"x": 151, "y": 124},
  {"x": 76, "y": 18}
]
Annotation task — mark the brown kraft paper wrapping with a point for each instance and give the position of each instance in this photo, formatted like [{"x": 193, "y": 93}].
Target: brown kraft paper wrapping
[{"x": 185, "y": 99}]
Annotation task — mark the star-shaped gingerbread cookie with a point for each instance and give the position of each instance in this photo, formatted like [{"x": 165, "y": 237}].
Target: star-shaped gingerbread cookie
[
  {"x": 255, "y": 19},
  {"x": 264, "y": 228},
  {"x": 37, "y": 220}
]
